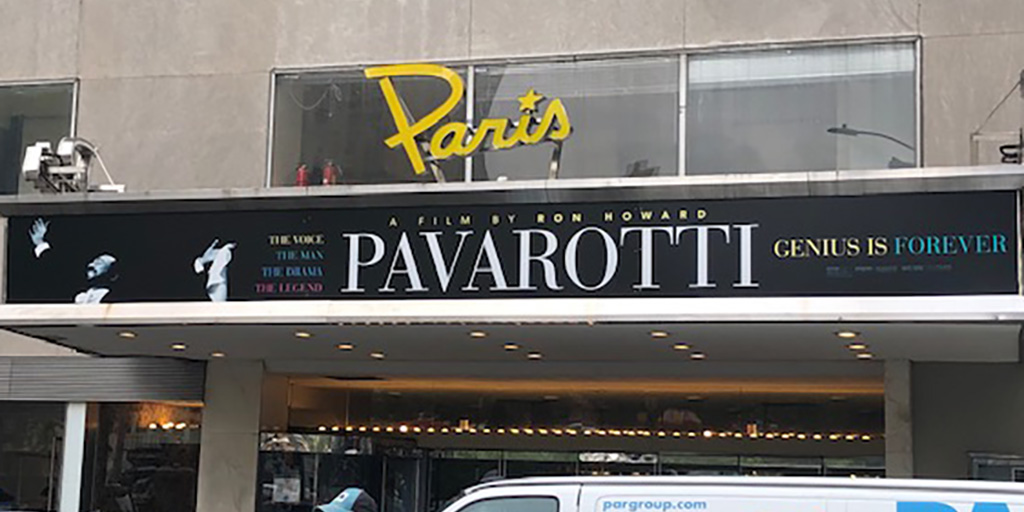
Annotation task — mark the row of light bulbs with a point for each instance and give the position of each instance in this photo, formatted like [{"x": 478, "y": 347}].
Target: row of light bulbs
[
  {"x": 529, "y": 431},
  {"x": 696, "y": 355},
  {"x": 177, "y": 346},
  {"x": 508, "y": 346},
  {"x": 170, "y": 425},
  {"x": 859, "y": 348}
]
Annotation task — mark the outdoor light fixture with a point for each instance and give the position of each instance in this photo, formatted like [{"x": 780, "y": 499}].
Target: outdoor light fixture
[
  {"x": 217, "y": 354},
  {"x": 535, "y": 356},
  {"x": 853, "y": 132},
  {"x": 127, "y": 334},
  {"x": 865, "y": 355},
  {"x": 698, "y": 356},
  {"x": 377, "y": 355},
  {"x": 67, "y": 168},
  {"x": 681, "y": 346},
  {"x": 303, "y": 334},
  {"x": 178, "y": 346},
  {"x": 477, "y": 334},
  {"x": 511, "y": 346},
  {"x": 857, "y": 346},
  {"x": 346, "y": 346},
  {"x": 659, "y": 334},
  {"x": 847, "y": 335}
]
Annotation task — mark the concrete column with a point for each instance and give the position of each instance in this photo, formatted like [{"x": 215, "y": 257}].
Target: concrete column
[
  {"x": 73, "y": 459},
  {"x": 230, "y": 440},
  {"x": 899, "y": 447}
]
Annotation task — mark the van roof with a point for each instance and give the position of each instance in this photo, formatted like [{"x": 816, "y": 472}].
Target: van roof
[{"x": 758, "y": 481}]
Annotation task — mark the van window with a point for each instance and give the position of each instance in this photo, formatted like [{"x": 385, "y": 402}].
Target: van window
[{"x": 518, "y": 504}]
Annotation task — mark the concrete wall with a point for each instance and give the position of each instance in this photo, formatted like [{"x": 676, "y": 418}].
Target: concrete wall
[
  {"x": 177, "y": 93},
  {"x": 960, "y": 408}
]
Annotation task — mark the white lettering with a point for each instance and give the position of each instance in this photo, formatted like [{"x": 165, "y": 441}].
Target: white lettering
[
  {"x": 526, "y": 257},
  {"x": 746, "y": 274},
  {"x": 611, "y": 258},
  {"x": 493, "y": 267},
  {"x": 409, "y": 267},
  {"x": 647, "y": 253},
  {"x": 702, "y": 250},
  {"x": 354, "y": 263},
  {"x": 444, "y": 270}
]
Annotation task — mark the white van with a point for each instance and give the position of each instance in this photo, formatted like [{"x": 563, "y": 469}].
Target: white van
[{"x": 738, "y": 494}]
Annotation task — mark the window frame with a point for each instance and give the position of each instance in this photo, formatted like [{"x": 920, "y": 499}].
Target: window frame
[
  {"x": 75, "y": 84},
  {"x": 912, "y": 40},
  {"x": 683, "y": 54}
]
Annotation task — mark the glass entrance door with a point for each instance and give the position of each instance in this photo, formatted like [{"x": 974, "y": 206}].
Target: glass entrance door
[{"x": 31, "y": 438}]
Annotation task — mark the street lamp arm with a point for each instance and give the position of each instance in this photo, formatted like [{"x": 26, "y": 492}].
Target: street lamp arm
[
  {"x": 887, "y": 137},
  {"x": 853, "y": 132}
]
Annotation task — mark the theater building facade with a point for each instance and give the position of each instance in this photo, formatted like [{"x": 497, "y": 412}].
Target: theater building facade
[{"x": 668, "y": 245}]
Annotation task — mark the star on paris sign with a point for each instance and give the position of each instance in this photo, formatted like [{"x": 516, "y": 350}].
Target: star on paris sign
[{"x": 528, "y": 101}]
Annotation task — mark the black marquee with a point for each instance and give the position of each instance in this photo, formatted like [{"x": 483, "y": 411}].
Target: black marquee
[{"x": 899, "y": 244}]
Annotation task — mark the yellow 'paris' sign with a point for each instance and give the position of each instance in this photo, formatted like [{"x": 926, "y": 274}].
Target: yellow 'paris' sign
[{"x": 457, "y": 138}]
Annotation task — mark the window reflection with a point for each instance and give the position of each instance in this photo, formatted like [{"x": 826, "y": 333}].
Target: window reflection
[
  {"x": 523, "y": 504},
  {"x": 425, "y": 409},
  {"x": 299, "y": 471},
  {"x": 141, "y": 457},
  {"x": 30, "y": 114},
  {"x": 329, "y": 128},
  {"x": 815, "y": 109},
  {"x": 623, "y": 113},
  {"x": 31, "y": 437}
]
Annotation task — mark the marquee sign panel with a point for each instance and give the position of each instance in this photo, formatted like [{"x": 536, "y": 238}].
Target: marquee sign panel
[{"x": 885, "y": 245}]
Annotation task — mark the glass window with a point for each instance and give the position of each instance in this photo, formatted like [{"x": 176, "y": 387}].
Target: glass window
[
  {"x": 829, "y": 108},
  {"x": 624, "y": 115},
  {"x": 31, "y": 437},
  {"x": 30, "y": 114},
  {"x": 523, "y": 504},
  {"x": 340, "y": 120},
  {"x": 141, "y": 457}
]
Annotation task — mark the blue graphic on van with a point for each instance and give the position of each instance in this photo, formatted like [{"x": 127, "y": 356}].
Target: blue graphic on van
[{"x": 936, "y": 506}]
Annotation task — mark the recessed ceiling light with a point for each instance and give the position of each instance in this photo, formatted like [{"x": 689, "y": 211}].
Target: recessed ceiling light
[
  {"x": 377, "y": 355},
  {"x": 178, "y": 346},
  {"x": 477, "y": 334},
  {"x": 217, "y": 354},
  {"x": 511, "y": 346},
  {"x": 847, "y": 335},
  {"x": 865, "y": 355},
  {"x": 303, "y": 334},
  {"x": 857, "y": 346},
  {"x": 698, "y": 355},
  {"x": 127, "y": 334},
  {"x": 681, "y": 346},
  {"x": 659, "y": 334},
  {"x": 346, "y": 346},
  {"x": 535, "y": 355}
]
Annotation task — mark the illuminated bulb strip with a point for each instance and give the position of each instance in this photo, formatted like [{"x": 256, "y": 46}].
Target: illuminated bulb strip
[{"x": 538, "y": 431}]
